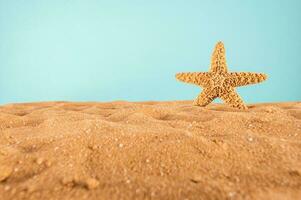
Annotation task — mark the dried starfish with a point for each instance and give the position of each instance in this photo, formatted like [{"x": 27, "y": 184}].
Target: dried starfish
[{"x": 218, "y": 82}]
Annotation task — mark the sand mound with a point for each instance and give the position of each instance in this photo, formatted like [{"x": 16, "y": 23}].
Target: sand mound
[{"x": 149, "y": 150}]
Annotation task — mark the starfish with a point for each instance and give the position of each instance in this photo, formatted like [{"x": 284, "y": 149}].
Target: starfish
[{"x": 218, "y": 82}]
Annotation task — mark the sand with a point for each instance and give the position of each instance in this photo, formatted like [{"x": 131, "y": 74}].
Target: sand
[{"x": 149, "y": 150}]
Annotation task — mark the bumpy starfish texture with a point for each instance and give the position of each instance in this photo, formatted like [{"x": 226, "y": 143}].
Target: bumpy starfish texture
[{"x": 218, "y": 82}]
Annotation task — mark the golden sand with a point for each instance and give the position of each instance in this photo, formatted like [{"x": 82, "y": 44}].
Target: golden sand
[{"x": 149, "y": 150}]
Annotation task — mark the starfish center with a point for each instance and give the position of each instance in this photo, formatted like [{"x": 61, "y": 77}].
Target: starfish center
[{"x": 217, "y": 81}]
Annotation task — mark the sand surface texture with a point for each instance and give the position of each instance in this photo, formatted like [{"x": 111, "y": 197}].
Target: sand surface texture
[{"x": 149, "y": 150}]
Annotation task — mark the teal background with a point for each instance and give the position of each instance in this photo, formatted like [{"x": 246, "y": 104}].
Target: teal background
[{"x": 89, "y": 50}]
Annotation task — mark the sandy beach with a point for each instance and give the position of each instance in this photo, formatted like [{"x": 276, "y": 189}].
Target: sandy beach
[{"x": 149, "y": 150}]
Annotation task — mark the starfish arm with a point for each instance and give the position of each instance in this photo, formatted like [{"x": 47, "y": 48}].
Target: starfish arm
[
  {"x": 197, "y": 78},
  {"x": 237, "y": 79},
  {"x": 218, "y": 59},
  {"x": 206, "y": 97},
  {"x": 233, "y": 99}
]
